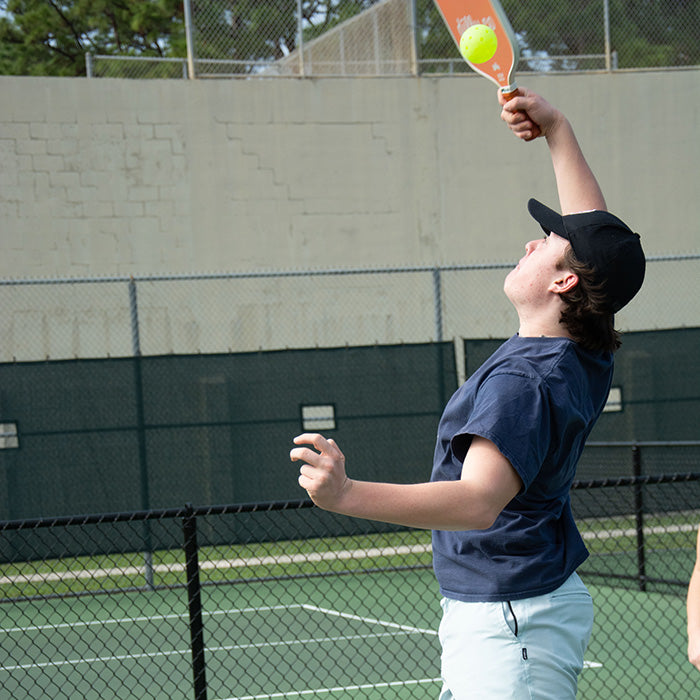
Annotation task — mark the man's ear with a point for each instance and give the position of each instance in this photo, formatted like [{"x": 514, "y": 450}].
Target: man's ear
[{"x": 565, "y": 282}]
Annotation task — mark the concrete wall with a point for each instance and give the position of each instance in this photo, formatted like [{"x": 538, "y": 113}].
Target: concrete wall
[
  {"x": 112, "y": 177},
  {"x": 102, "y": 178}
]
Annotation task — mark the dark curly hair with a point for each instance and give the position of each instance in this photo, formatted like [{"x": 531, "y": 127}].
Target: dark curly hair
[{"x": 587, "y": 316}]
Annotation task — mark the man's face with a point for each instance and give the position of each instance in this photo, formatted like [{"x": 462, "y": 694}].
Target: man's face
[{"x": 532, "y": 279}]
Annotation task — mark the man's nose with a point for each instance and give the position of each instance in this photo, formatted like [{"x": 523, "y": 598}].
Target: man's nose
[{"x": 531, "y": 245}]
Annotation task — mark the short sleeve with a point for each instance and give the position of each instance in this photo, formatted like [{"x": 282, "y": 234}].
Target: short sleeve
[{"x": 512, "y": 411}]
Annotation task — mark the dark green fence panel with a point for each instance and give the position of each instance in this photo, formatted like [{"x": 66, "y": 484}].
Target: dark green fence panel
[
  {"x": 657, "y": 381},
  {"x": 102, "y": 435}
]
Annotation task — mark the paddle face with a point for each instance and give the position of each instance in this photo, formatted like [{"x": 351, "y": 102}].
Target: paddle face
[{"x": 459, "y": 15}]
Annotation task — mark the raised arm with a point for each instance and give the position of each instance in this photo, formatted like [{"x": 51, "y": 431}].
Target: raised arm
[
  {"x": 488, "y": 483},
  {"x": 577, "y": 186},
  {"x": 693, "y": 609}
]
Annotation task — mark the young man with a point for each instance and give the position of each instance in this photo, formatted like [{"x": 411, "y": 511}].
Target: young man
[{"x": 516, "y": 617}]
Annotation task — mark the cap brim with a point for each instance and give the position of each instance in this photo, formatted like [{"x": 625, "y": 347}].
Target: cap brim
[{"x": 551, "y": 221}]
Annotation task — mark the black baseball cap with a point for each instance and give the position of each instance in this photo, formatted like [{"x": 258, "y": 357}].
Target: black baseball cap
[{"x": 605, "y": 243}]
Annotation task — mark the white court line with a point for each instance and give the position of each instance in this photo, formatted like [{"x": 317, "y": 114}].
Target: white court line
[
  {"x": 369, "y": 620},
  {"x": 220, "y": 564},
  {"x": 339, "y": 689},
  {"x": 227, "y": 647},
  {"x": 402, "y": 630},
  {"x": 231, "y": 611},
  {"x": 146, "y": 618},
  {"x": 294, "y": 558},
  {"x": 367, "y": 686},
  {"x": 631, "y": 532}
]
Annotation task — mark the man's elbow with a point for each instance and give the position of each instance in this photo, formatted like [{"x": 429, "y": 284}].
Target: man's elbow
[
  {"x": 481, "y": 518},
  {"x": 486, "y": 518}
]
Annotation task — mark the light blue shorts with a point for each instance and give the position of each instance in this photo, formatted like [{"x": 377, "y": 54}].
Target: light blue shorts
[{"x": 528, "y": 649}]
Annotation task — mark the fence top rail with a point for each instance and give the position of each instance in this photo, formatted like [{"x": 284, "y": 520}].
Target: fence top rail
[
  {"x": 312, "y": 272},
  {"x": 649, "y": 480},
  {"x": 157, "y": 514},
  {"x": 255, "y": 274},
  {"x": 645, "y": 443},
  {"x": 128, "y": 57},
  {"x": 238, "y": 508}
]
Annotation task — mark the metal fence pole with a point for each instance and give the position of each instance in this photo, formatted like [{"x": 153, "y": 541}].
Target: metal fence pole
[
  {"x": 88, "y": 65},
  {"x": 189, "y": 37},
  {"x": 194, "y": 598},
  {"x": 606, "y": 24},
  {"x": 639, "y": 517},
  {"x": 437, "y": 301},
  {"x": 141, "y": 432},
  {"x": 300, "y": 38},
  {"x": 414, "y": 38}
]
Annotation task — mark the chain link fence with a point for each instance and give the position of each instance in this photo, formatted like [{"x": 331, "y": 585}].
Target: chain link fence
[
  {"x": 282, "y": 600},
  {"x": 131, "y": 397},
  {"x": 60, "y": 319},
  {"x": 296, "y": 38},
  {"x": 113, "y": 388}
]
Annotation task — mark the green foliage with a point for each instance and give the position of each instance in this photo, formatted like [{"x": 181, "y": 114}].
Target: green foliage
[
  {"x": 644, "y": 33},
  {"x": 322, "y": 15},
  {"x": 665, "y": 32},
  {"x": 244, "y": 30},
  {"x": 251, "y": 31},
  {"x": 433, "y": 39},
  {"x": 51, "y": 37}
]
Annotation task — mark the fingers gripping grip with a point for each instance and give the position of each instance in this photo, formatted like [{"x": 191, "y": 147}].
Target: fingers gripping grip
[{"x": 509, "y": 93}]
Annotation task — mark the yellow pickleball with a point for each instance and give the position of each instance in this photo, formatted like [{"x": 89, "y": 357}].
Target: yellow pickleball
[{"x": 478, "y": 44}]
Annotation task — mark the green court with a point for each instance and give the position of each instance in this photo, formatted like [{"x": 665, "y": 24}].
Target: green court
[
  {"x": 257, "y": 650},
  {"x": 309, "y": 643}
]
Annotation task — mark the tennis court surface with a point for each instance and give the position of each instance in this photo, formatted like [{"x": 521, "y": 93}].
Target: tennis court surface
[{"x": 352, "y": 614}]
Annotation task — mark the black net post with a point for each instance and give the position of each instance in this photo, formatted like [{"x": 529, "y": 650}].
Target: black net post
[
  {"x": 194, "y": 598},
  {"x": 639, "y": 516}
]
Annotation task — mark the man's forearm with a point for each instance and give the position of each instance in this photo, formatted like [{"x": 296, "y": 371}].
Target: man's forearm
[
  {"x": 488, "y": 483},
  {"x": 440, "y": 505},
  {"x": 577, "y": 185}
]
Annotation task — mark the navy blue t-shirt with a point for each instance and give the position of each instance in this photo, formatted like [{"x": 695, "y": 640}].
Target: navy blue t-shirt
[{"x": 537, "y": 400}]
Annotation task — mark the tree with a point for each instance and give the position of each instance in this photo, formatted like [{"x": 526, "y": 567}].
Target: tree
[
  {"x": 51, "y": 37},
  {"x": 665, "y": 32},
  {"x": 252, "y": 32},
  {"x": 644, "y": 33}
]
